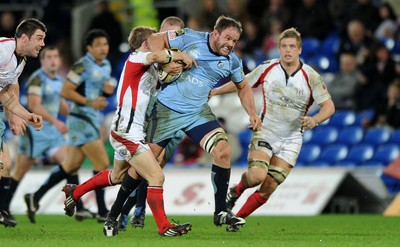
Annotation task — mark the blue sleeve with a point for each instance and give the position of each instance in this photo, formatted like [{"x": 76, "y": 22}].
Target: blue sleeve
[{"x": 237, "y": 75}]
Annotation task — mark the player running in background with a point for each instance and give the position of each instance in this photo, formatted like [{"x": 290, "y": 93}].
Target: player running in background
[
  {"x": 87, "y": 84},
  {"x": 44, "y": 97},
  {"x": 182, "y": 104},
  {"x": 29, "y": 39},
  {"x": 289, "y": 89}
]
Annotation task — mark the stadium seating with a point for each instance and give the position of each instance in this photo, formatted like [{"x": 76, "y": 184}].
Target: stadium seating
[
  {"x": 365, "y": 114},
  {"x": 310, "y": 47},
  {"x": 324, "y": 135},
  {"x": 350, "y": 136},
  {"x": 308, "y": 154},
  {"x": 384, "y": 155},
  {"x": 358, "y": 154},
  {"x": 342, "y": 118},
  {"x": 331, "y": 155},
  {"x": 376, "y": 136},
  {"x": 395, "y": 137}
]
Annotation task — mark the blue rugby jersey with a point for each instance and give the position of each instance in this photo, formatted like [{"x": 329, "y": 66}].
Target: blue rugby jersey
[
  {"x": 89, "y": 77},
  {"x": 49, "y": 89},
  {"x": 190, "y": 91}
]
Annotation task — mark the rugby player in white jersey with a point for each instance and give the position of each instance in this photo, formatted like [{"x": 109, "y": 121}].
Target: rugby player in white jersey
[
  {"x": 28, "y": 40},
  {"x": 289, "y": 88}
]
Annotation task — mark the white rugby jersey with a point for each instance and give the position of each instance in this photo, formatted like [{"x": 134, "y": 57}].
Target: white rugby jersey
[
  {"x": 286, "y": 98},
  {"x": 10, "y": 67},
  {"x": 136, "y": 85}
]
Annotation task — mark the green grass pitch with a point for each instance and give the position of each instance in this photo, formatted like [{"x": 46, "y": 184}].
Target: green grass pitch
[{"x": 325, "y": 230}]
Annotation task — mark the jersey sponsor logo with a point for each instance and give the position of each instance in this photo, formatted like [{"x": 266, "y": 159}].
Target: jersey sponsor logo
[
  {"x": 191, "y": 79},
  {"x": 194, "y": 53},
  {"x": 220, "y": 64},
  {"x": 264, "y": 144}
]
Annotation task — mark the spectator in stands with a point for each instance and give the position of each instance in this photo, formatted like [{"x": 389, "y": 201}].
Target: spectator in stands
[
  {"x": 276, "y": 11},
  {"x": 252, "y": 39},
  {"x": 205, "y": 20},
  {"x": 387, "y": 27},
  {"x": 356, "y": 42},
  {"x": 8, "y": 24},
  {"x": 343, "y": 84},
  {"x": 105, "y": 20},
  {"x": 387, "y": 114},
  {"x": 311, "y": 14},
  {"x": 366, "y": 12}
]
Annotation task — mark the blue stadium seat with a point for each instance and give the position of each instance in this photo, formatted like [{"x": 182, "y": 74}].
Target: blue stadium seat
[
  {"x": 386, "y": 153},
  {"x": 331, "y": 155},
  {"x": 365, "y": 114},
  {"x": 324, "y": 135},
  {"x": 310, "y": 48},
  {"x": 359, "y": 154},
  {"x": 308, "y": 153},
  {"x": 330, "y": 46},
  {"x": 307, "y": 135},
  {"x": 350, "y": 136},
  {"x": 244, "y": 139},
  {"x": 342, "y": 118},
  {"x": 376, "y": 136},
  {"x": 395, "y": 137}
]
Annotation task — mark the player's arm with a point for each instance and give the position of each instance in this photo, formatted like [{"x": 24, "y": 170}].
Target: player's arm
[
  {"x": 69, "y": 92},
  {"x": 64, "y": 108},
  {"x": 158, "y": 42},
  {"x": 326, "y": 111},
  {"x": 228, "y": 87},
  {"x": 11, "y": 102},
  {"x": 168, "y": 56},
  {"x": 246, "y": 97}
]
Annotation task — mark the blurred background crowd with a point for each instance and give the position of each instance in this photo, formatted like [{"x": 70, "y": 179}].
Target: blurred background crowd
[{"x": 353, "y": 44}]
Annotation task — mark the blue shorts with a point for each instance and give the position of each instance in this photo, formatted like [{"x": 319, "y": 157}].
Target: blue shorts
[
  {"x": 164, "y": 124},
  {"x": 45, "y": 142},
  {"x": 172, "y": 145},
  {"x": 81, "y": 130}
]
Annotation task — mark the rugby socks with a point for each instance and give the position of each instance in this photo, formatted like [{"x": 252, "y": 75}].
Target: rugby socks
[
  {"x": 13, "y": 187},
  {"x": 239, "y": 188},
  {"x": 57, "y": 174},
  {"x": 155, "y": 199},
  {"x": 101, "y": 180},
  {"x": 141, "y": 198},
  {"x": 101, "y": 204},
  {"x": 253, "y": 202},
  {"x": 220, "y": 179},
  {"x": 130, "y": 202},
  {"x": 128, "y": 185},
  {"x": 74, "y": 179},
  {"x": 4, "y": 191}
]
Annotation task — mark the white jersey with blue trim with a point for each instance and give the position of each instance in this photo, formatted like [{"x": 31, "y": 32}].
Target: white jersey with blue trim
[
  {"x": 190, "y": 91},
  {"x": 10, "y": 67}
]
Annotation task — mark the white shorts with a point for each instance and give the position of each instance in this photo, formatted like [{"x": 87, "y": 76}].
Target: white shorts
[
  {"x": 287, "y": 149},
  {"x": 125, "y": 147}
]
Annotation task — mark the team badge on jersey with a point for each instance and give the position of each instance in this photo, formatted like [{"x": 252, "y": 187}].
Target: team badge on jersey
[{"x": 175, "y": 33}]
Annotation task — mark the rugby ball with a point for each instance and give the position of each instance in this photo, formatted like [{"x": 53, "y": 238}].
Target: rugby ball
[{"x": 167, "y": 78}]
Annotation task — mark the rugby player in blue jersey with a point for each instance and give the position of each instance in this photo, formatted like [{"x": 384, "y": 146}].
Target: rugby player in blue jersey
[{"x": 182, "y": 104}]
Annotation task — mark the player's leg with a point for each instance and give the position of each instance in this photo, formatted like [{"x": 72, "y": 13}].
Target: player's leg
[
  {"x": 96, "y": 152},
  {"x": 5, "y": 169},
  {"x": 277, "y": 173}
]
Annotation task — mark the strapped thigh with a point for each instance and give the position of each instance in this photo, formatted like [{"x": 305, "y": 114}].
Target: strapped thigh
[{"x": 278, "y": 174}]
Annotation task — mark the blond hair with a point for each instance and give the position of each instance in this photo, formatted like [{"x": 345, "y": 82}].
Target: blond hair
[{"x": 290, "y": 33}]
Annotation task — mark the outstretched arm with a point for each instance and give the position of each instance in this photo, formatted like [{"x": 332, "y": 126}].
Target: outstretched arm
[{"x": 246, "y": 96}]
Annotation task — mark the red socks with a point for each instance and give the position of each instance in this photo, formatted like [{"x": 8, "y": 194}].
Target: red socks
[
  {"x": 253, "y": 202},
  {"x": 101, "y": 180},
  {"x": 155, "y": 200},
  {"x": 239, "y": 188}
]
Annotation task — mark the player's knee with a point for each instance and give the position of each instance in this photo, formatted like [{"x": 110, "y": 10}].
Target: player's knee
[
  {"x": 222, "y": 152},
  {"x": 278, "y": 174},
  {"x": 156, "y": 179}
]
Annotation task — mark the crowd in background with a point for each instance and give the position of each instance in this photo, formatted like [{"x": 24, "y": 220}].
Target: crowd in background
[{"x": 356, "y": 43}]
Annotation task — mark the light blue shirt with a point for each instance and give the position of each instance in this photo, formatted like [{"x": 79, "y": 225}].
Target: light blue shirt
[{"x": 190, "y": 92}]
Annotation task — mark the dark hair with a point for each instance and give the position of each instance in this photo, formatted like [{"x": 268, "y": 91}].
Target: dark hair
[
  {"x": 45, "y": 49},
  {"x": 29, "y": 27},
  {"x": 138, "y": 35},
  {"x": 224, "y": 22},
  {"x": 95, "y": 33},
  {"x": 173, "y": 20}
]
